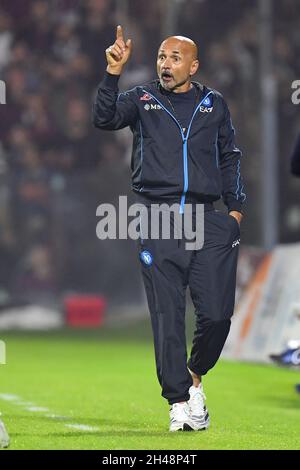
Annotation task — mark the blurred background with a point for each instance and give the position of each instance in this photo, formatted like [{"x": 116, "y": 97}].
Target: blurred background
[{"x": 55, "y": 168}]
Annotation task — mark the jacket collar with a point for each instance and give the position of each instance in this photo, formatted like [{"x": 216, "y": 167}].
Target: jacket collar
[{"x": 155, "y": 88}]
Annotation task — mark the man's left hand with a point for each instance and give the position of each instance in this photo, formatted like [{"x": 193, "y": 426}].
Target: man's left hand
[{"x": 237, "y": 215}]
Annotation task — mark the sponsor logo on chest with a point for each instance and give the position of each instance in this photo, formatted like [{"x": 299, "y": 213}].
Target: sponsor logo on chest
[{"x": 149, "y": 107}]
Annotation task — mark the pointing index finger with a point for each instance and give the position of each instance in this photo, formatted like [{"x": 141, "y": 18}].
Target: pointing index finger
[{"x": 120, "y": 32}]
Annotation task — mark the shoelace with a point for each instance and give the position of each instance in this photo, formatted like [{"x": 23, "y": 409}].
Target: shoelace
[{"x": 197, "y": 402}]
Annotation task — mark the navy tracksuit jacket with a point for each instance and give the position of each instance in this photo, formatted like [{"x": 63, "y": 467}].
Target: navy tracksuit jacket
[{"x": 200, "y": 164}]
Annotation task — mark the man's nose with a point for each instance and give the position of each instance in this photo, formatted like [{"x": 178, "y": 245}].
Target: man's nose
[{"x": 166, "y": 64}]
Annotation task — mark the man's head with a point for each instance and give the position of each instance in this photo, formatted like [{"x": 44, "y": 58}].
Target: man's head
[{"x": 177, "y": 61}]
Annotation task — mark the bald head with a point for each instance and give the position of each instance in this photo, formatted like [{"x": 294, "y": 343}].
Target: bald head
[
  {"x": 177, "y": 62},
  {"x": 187, "y": 45}
]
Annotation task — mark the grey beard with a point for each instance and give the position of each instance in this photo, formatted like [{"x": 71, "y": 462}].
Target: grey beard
[{"x": 176, "y": 86}]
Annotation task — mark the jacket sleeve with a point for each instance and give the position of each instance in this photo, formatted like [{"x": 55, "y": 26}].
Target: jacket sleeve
[
  {"x": 229, "y": 158},
  {"x": 295, "y": 160},
  {"x": 111, "y": 110}
]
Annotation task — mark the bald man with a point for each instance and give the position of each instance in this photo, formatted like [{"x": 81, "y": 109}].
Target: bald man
[{"x": 183, "y": 153}]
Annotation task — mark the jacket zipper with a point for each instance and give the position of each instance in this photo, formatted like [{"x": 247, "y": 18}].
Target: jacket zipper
[{"x": 184, "y": 146}]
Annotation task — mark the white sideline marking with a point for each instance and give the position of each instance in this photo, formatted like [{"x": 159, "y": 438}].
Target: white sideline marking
[
  {"x": 29, "y": 406},
  {"x": 9, "y": 397},
  {"x": 36, "y": 409},
  {"x": 82, "y": 427},
  {"x": 54, "y": 416}
]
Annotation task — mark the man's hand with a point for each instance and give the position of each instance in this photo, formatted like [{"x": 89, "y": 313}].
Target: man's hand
[
  {"x": 237, "y": 215},
  {"x": 118, "y": 54}
]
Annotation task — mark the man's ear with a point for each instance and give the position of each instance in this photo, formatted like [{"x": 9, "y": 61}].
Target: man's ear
[{"x": 194, "y": 67}]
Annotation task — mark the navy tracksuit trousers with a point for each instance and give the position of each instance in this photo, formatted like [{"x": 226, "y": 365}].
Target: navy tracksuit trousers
[{"x": 210, "y": 273}]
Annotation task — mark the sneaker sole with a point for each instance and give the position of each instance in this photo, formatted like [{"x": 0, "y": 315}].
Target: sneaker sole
[
  {"x": 185, "y": 428},
  {"x": 203, "y": 427}
]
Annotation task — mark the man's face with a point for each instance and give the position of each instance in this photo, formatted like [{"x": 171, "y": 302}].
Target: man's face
[{"x": 176, "y": 62}]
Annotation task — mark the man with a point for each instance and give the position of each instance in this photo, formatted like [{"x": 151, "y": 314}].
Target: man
[{"x": 183, "y": 152}]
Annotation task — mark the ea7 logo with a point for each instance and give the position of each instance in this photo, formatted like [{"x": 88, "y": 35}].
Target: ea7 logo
[
  {"x": 204, "y": 109},
  {"x": 2, "y": 92},
  {"x": 296, "y": 94},
  {"x": 148, "y": 107}
]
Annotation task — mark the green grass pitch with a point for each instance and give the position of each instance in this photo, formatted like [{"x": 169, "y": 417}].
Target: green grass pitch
[{"x": 105, "y": 382}]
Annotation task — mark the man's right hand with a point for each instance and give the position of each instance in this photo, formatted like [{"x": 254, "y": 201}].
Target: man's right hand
[{"x": 118, "y": 54}]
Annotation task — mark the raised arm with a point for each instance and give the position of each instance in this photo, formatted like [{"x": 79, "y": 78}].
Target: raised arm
[
  {"x": 111, "y": 110},
  {"x": 118, "y": 53}
]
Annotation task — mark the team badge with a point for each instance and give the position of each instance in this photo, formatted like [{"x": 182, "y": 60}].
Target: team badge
[
  {"x": 207, "y": 102},
  {"x": 146, "y": 258}
]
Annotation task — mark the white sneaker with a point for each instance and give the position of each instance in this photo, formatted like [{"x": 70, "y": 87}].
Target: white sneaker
[
  {"x": 180, "y": 419},
  {"x": 4, "y": 439},
  {"x": 198, "y": 411}
]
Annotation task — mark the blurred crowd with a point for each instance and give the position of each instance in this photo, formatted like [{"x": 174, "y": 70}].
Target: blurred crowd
[{"x": 51, "y": 59}]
